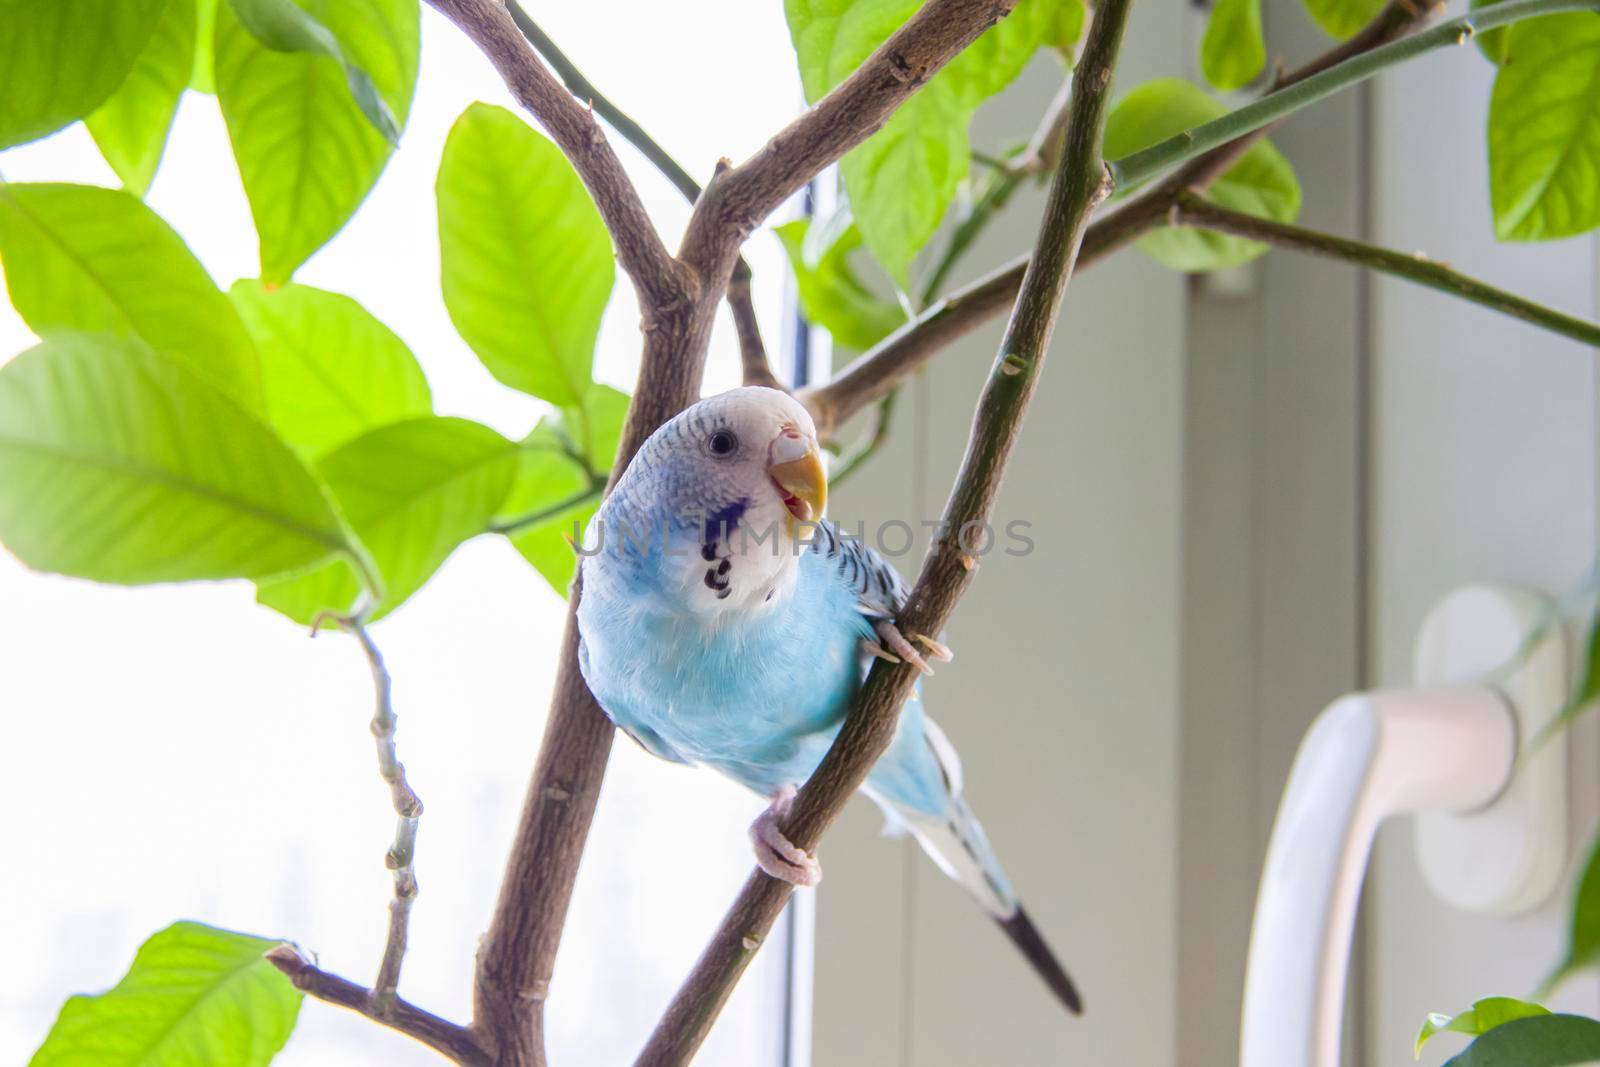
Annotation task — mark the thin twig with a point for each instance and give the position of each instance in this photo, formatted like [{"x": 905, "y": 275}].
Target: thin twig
[
  {"x": 1192, "y": 210},
  {"x": 659, "y": 278},
  {"x": 752, "y": 352},
  {"x": 401, "y": 856},
  {"x": 1080, "y": 184},
  {"x": 441, "y": 1035},
  {"x": 876, "y": 371}
]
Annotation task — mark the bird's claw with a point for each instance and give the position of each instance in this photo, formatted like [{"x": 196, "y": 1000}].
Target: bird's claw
[
  {"x": 775, "y": 853},
  {"x": 897, "y": 643},
  {"x": 874, "y": 649},
  {"x": 936, "y": 649}
]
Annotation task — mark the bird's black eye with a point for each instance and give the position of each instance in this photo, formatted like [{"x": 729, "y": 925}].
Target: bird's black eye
[{"x": 722, "y": 443}]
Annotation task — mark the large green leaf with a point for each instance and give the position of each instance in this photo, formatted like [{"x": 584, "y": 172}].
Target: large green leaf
[
  {"x": 61, "y": 59},
  {"x": 77, "y": 257},
  {"x": 1544, "y": 130},
  {"x": 1233, "y": 50},
  {"x": 412, "y": 491},
  {"x": 120, "y": 465},
  {"x": 1341, "y": 18},
  {"x": 285, "y": 26},
  {"x": 526, "y": 262},
  {"x": 1261, "y": 183},
  {"x": 1483, "y": 1016},
  {"x": 307, "y": 154},
  {"x": 329, "y": 370},
  {"x": 195, "y": 996},
  {"x": 1540, "y": 1041},
  {"x": 131, "y": 127},
  {"x": 831, "y": 294},
  {"x": 903, "y": 178}
]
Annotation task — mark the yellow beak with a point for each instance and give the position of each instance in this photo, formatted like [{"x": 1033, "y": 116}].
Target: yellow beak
[{"x": 805, "y": 483}]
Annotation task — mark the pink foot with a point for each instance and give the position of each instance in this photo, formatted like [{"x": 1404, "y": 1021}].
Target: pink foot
[{"x": 776, "y": 854}]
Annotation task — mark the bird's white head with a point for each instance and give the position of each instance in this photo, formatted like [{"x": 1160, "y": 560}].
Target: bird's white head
[{"x": 739, "y": 473}]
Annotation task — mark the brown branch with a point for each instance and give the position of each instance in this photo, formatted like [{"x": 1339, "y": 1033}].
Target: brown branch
[
  {"x": 752, "y": 352},
  {"x": 660, "y": 280},
  {"x": 441, "y": 1035},
  {"x": 1079, "y": 184},
  {"x": 879, "y": 369},
  {"x": 756, "y": 368},
  {"x": 855, "y": 109}
]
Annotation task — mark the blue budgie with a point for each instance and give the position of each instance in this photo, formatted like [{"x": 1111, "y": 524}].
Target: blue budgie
[{"x": 723, "y": 623}]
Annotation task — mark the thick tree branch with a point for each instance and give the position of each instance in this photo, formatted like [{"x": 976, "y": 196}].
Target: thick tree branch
[
  {"x": 1080, "y": 184},
  {"x": 1192, "y": 210},
  {"x": 855, "y": 109},
  {"x": 877, "y": 371},
  {"x": 441, "y": 1035},
  {"x": 752, "y": 352},
  {"x": 661, "y": 281}
]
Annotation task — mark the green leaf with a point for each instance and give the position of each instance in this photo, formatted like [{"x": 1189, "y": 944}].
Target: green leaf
[
  {"x": 1233, "y": 51},
  {"x": 1483, "y": 1016},
  {"x": 831, "y": 294},
  {"x": 1540, "y": 1041},
  {"x": 203, "y": 79},
  {"x": 195, "y": 996},
  {"x": 284, "y": 26},
  {"x": 61, "y": 59},
  {"x": 1262, "y": 182},
  {"x": 526, "y": 262},
  {"x": 412, "y": 492},
  {"x": 1544, "y": 130},
  {"x": 329, "y": 370},
  {"x": 1067, "y": 27},
  {"x": 902, "y": 179},
  {"x": 307, "y": 154},
  {"x": 77, "y": 257},
  {"x": 1583, "y": 930},
  {"x": 119, "y": 465},
  {"x": 131, "y": 127},
  {"x": 1341, "y": 18}
]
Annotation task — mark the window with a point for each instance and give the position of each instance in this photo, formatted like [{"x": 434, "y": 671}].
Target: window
[{"x": 180, "y": 753}]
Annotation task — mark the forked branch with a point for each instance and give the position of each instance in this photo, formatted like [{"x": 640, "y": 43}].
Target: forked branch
[
  {"x": 878, "y": 370},
  {"x": 1078, "y": 186}
]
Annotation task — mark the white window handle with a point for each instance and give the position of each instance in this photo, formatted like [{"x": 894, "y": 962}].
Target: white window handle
[{"x": 1438, "y": 748}]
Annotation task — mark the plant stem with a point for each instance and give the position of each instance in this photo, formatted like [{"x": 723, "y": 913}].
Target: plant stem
[
  {"x": 881, "y": 425},
  {"x": 1193, "y": 210},
  {"x": 1135, "y": 168},
  {"x": 539, "y": 516},
  {"x": 1080, "y": 183}
]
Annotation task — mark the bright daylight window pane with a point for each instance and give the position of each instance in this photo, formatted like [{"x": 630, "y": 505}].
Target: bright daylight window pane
[{"x": 179, "y": 752}]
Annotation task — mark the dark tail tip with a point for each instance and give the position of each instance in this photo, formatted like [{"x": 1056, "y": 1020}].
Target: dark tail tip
[{"x": 1020, "y": 929}]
